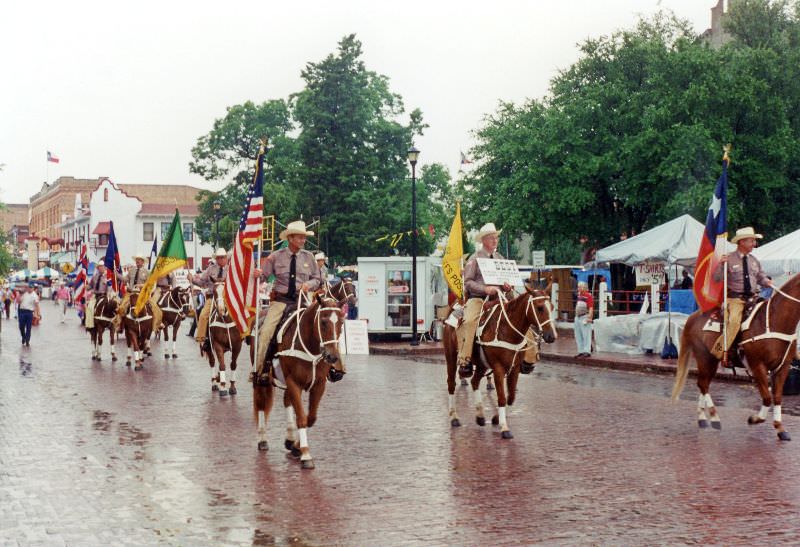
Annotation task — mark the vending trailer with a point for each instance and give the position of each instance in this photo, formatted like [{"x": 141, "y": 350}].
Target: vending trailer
[{"x": 384, "y": 292}]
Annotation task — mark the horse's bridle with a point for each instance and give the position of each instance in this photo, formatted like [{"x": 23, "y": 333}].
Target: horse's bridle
[{"x": 340, "y": 287}]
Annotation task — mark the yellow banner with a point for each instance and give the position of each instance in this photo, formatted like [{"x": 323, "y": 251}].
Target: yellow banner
[{"x": 451, "y": 260}]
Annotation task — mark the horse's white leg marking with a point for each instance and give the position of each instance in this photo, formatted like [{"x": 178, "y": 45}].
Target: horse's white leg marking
[
  {"x": 701, "y": 408},
  {"x": 763, "y": 412},
  {"x": 222, "y": 378},
  {"x": 174, "y": 352},
  {"x": 777, "y": 414},
  {"x": 291, "y": 424},
  {"x": 478, "y": 401},
  {"x": 712, "y": 410},
  {"x": 451, "y": 405},
  {"x": 305, "y": 454},
  {"x": 129, "y": 353},
  {"x": 262, "y": 426},
  {"x": 501, "y": 415},
  {"x": 234, "y": 376}
]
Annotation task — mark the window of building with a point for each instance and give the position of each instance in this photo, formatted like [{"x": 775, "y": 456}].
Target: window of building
[
  {"x": 188, "y": 231},
  {"x": 147, "y": 231},
  {"x": 103, "y": 241},
  {"x": 165, "y": 230},
  {"x": 105, "y": 194}
]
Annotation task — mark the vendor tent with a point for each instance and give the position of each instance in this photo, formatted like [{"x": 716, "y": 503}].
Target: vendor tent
[
  {"x": 46, "y": 272},
  {"x": 674, "y": 242},
  {"x": 782, "y": 256}
]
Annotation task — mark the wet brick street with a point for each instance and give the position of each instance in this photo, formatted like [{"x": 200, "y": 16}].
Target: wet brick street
[{"x": 97, "y": 454}]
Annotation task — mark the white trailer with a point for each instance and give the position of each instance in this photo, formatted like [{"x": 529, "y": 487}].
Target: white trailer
[{"x": 384, "y": 292}]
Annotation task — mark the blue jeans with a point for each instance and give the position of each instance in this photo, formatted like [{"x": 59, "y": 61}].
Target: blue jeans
[{"x": 25, "y": 322}]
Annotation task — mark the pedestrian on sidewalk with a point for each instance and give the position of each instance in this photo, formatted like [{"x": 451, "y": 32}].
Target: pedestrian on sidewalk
[
  {"x": 8, "y": 294},
  {"x": 63, "y": 298},
  {"x": 28, "y": 308},
  {"x": 584, "y": 312}
]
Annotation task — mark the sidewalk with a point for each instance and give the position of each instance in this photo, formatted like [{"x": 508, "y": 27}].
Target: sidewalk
[{"x": 563, "y": 350}]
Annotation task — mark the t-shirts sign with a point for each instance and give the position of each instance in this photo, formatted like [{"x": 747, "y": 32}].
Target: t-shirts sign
[
  {"x": 649, "y": 273},
  {"x": 498, "y": 272}
]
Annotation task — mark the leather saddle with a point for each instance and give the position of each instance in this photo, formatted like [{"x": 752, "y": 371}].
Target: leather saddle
[{"x": 272, "y": 348}]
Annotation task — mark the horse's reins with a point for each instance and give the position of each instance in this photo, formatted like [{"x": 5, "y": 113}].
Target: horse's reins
[
  {"x": 217, "y": 324},
  {"x": 171, "y": 301},
  {"x": 769, "y": 334}
]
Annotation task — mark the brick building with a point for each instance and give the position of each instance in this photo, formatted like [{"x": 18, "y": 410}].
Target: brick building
[{"x": 52, "y": 204}]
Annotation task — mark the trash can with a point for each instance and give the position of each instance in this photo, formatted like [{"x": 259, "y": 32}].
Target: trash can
[{"x": 792, "y": 384}]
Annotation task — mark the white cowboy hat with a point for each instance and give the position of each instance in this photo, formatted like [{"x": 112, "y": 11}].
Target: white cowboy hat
[
  {"x": 220, "y": 252},
  {"x": 139, "y": 255},
  {"x": 298, "y": 227},
  {"x": 745, "y": 233},
  {"x": 320, "y": 256},
  {"x": 487, "y": 229}
]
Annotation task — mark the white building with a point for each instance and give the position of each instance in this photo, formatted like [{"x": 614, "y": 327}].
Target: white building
[{"x": 140, "y": 213}]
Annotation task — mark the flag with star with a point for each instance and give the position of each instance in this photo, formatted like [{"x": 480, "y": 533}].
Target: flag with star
[{"x": 707, "y": 291}]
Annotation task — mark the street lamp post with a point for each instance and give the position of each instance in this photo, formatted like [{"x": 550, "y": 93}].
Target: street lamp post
[
  {"x": 217, "y": 205},
  {"x": 413, "y": 154}
]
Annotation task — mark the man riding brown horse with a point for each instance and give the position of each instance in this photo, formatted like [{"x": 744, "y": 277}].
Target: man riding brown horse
[{"x": 214, "y": 273}]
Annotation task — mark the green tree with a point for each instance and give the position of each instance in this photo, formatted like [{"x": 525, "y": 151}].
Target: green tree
[{"x": 352, "y": 154}]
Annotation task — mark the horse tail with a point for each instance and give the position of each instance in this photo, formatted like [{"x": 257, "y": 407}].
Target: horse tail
[{"x": 683, "y": 363}]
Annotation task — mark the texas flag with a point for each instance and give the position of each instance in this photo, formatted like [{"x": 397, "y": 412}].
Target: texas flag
[
  {"x": 51, "y": 158},
  {"x": 713, "y": 245}
]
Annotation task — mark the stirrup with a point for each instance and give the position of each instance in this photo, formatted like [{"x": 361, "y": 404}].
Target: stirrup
[{"x": 465, "y": 369}]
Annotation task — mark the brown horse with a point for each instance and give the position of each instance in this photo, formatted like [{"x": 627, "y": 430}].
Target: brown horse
[
  {"x": 224, "y": 336},
  {"x": 105, "y": 311},
  {"x": 137, "y": 328},
  {"x": 499, "y": 348},
  {"x": 176, "y": 305},
  {"x": 341, "y": 290},
  {"x": 308, "y": 349},
  {"x": 769, "y": 343}
]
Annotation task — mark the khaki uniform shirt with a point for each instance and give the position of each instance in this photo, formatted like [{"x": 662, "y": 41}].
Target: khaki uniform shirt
[
  {"x": 214, "y": 273},
  {"x": 473, "y": 279},
  {"x": 136, "y": 276},
  {"x": 736, "y": 273},
  {"x": 98, "y": 284},
  {"x": 306, "y": 270},
  {"x": 166, "y": 282}
]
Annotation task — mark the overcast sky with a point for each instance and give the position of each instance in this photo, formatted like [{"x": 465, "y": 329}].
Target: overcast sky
[{"x": 125, "y": 89}]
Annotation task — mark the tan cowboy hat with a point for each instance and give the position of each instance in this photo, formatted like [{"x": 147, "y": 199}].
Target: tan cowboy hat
[
  {"x": 745, "y": 233},
  {"x": 298, "y": 227},
  {"x": 221, "y": 252},
  {"x": 139, "y": 255},
  {"x": 486, "y": 230},
  {"x": 320, "y": 256}
]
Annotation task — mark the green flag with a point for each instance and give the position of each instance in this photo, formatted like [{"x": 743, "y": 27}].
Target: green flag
[{"x": 171, "y": 257}]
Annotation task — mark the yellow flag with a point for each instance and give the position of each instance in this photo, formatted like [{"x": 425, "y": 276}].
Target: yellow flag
[{"x": 451, "y": 261}]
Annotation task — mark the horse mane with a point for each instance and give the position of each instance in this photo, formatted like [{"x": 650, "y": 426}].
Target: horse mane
[{"x": 791, "y": 284}]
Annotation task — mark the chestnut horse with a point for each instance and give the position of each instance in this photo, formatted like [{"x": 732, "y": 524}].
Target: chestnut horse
[
  {"x": 308, "y": 349},
  {"x": 105, "y": 312},
  {"x": 137, "y": 327},
  {"x": 224, "y": 336},
  {"x": 769, "y": 343},
  {"x": 499, "y": 348},
  {"x": 175, "y": 304},
  {"x": 341, "y": 290}
]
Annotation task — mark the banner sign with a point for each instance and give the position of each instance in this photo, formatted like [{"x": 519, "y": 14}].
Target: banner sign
[
  {"x": 649, "y": 273},
  {"x": 537, "y": 259},
  {"x": 498, "y": 272}
]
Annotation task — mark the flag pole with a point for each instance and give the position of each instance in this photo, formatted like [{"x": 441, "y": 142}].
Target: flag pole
[
  {"x": 259, "y": 245},
  {"x": 725, "y": 161}
]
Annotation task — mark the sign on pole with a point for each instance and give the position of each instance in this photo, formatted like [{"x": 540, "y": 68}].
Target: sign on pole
[
  {"x": 537, "y": 259},
  {"x": 498, "y": 272}
]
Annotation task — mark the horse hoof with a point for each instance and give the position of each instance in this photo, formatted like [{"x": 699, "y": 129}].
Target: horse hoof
[
  {"x": 480, "y": 420},
  {"x": 753, "y": 420},
  {"x": 506, "y": 435},
  {"x": 489, "y": 387},
  {"x": 114, "y": 358},
  {"x": 295, "y": 452},
  {"x": 138, "y": 367},
  {"x": 702, "y": 424},
  {"x": 289, "y": 445},
  {"x": 166, "y": 356},
  {"x": 335, "y": 375},
  {"x": 262, "y": 446},
  {"x": 223, "y": 392},
  {"x": 307, "y": 464},
  {"x": 232, "y": 391},
  {"x": 784, "y": 436},
  {"x": 174, "y": 355},
  {"x": 214, "y": 387},
  {"x": 128, "y": 363},
  {"x": 716, "y": 425},
  {"x": 495, "y": 420},
  {"x": 455, "y": 423},
  {"x": 464, "y": 382}
]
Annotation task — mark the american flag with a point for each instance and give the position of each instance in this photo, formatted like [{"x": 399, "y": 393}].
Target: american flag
[
  {"x": 80, "y": 279},
  {"x": 240, "y": 287}
]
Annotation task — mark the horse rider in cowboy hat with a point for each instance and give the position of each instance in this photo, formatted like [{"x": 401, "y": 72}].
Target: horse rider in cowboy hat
[
  {"x": 475, "y": 291},
  {"x": 323, "y": 269},
  {"x": 744, "y": 273},
  {"x": 137, "y": 276},
  {"x": 295, "y": 272},
  {"x": 98, "y": 286},
  {"x": 214, "y": 273}
]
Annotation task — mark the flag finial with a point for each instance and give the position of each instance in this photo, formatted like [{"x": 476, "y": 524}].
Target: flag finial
[
  {"x": 263, "y": 148},
  {"x": 725, "y": 151}
]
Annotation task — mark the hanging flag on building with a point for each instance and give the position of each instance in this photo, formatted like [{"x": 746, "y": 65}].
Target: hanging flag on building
[
  {"x": 51, "y": 158},
  {"x": 240, "y": 286},
  {"x": 171, "y": 257},
  {"x": 451, "y": 260},
  {"x": 113, "y": 263},
  {"x": 80, "y": 278},
  {"x": 153, "y": 253},
  {"x": 707, "y": 292}
]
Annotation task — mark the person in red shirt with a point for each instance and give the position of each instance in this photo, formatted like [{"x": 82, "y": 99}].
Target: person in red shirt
[{"x": 584, "y": 313}]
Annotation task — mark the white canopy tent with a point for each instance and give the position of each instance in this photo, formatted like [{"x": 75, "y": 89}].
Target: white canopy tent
[
  {"x": 781, "y": 257},
  {"x": 674, "y": 242}
]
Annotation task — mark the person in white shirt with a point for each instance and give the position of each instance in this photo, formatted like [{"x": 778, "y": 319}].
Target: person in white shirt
[{"x": 28, "y": 307}]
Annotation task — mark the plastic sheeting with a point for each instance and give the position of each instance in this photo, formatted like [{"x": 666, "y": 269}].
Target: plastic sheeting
[{"x": 637, "y": 334}]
